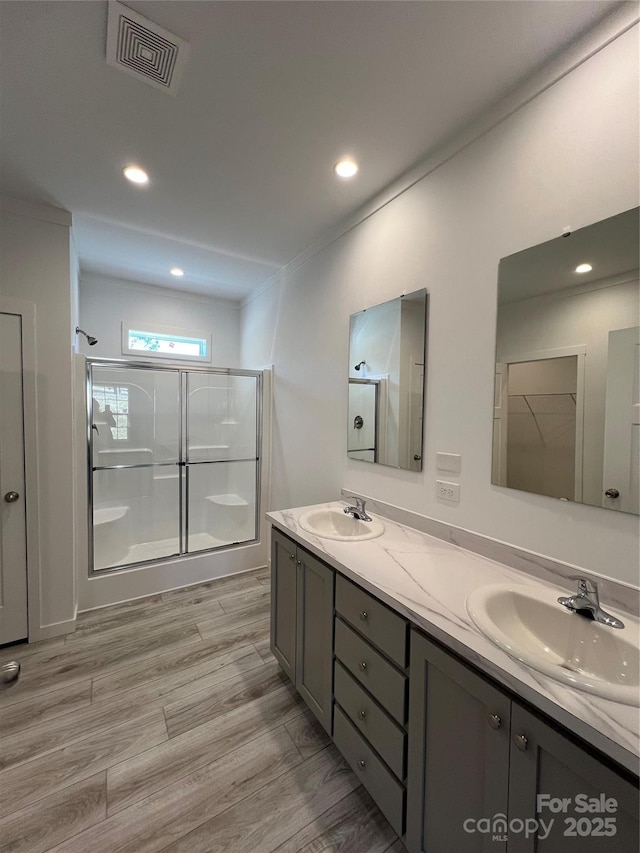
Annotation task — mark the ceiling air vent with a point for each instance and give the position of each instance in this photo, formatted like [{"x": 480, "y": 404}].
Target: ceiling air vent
[{"x": 141, "y": 48}]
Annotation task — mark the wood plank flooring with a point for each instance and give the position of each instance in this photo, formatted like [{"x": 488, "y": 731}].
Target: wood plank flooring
[{"x": 165, "y": 724}]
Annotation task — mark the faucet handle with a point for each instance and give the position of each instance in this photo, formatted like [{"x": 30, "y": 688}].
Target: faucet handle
[
  {"x": 359, "y": 502},
  {"x": 585, "y": 585}
]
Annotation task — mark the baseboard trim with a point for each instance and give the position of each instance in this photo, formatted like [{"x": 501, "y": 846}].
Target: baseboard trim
[{"x": 55, "y": 629}]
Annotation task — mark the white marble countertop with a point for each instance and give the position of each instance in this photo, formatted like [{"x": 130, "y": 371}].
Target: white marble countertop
[{"x": 428, "y": 580}]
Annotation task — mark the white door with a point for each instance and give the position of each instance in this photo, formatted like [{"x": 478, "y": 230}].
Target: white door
[
  {"x": 13, "y": 548},
  {"x": 500, "y": 412},
  {"x": 416, "y": 409},
  {"x": 621, "y": 472}
]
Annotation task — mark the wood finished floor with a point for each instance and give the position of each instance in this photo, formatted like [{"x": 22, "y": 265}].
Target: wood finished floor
[{"x": 165, "y": 724}]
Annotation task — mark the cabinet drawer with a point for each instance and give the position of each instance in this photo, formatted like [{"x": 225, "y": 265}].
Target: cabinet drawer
[
  {"x": 372, "y": 670},
  {"x": 373, "y": 619},
  {"x": 387, "y": 738},
  {"x": 385, "y": 789}
]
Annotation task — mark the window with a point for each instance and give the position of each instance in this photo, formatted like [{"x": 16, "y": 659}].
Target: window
[
  {"x": 111, "y": 408},
  {"x": 165, "y": 342}
]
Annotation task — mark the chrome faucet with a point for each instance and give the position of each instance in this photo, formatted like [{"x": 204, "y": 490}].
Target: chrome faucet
[
  {"x": 586, "y": 602},
  {"x": 358, "y": 511}
]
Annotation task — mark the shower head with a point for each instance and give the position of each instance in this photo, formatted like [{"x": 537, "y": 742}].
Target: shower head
[
  {"x": 358, "y": 366},
  {"x": 90, "y": 339}
]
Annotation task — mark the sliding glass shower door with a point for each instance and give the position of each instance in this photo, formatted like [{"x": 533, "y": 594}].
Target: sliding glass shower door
[
  {"x": 221, "y": 459},
  {"x": 174, "y": 461}
]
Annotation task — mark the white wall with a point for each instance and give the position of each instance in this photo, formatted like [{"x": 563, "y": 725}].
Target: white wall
[
  {"x": 105, "y": 303},
  {"x": 569, "y": 157},
  {"x": 36, "y": 267}
]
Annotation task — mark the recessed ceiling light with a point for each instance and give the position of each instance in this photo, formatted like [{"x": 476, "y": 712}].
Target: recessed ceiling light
[
  {"x": 136, "y": 175},
  {"x": 177, "y": 271},
  {"x": 584, "y": 268},
  {"x": 346, "y": 168}
]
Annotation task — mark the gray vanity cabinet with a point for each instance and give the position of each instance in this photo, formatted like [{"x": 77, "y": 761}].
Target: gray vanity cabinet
[
  {"x": 371, "y": 688},
  {"x": 545, "y": 763},
  {"x": 458, "y": 752},
  {"x": 475, "y": 753},
  {"x": 302, "y": 591},
  {"x": 284, "y": 602}
]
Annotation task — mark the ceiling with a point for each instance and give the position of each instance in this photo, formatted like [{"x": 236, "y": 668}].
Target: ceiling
[
  {"x": 273, "y": 94},
  {"x": 611, "y": 247}
]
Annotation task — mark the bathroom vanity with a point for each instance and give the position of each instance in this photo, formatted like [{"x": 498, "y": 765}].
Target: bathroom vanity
[{"x": 461, "y": 746}]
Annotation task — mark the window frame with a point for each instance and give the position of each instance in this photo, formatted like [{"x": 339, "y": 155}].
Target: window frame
[{"x": 145, "y": 328}]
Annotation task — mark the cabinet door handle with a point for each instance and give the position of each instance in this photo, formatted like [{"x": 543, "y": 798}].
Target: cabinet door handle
[
  {"x": 363, "y": 665},
  {"x": 494, "y": 721},
  {"x": 362, "y": 763},
  {"x": 522, "y": 742},
  {"x": 292, "y": 556},
  {"x": 364, "y": 615},
  {"x": 298, "y": 562},
  {"x": 362, "y": 714}
]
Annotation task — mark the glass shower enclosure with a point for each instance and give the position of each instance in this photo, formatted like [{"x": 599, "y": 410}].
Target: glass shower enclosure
[{"x": 174, "y": 461}]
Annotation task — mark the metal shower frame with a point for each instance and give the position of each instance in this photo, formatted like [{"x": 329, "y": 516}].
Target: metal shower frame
[{"x": 182, "y": 464}]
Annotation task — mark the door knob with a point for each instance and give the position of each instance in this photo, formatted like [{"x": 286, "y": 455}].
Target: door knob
[
  {"x": 11, "y": 497},
  {"x": 612, "y": 493},
  {"x": 9, "y": 673}
]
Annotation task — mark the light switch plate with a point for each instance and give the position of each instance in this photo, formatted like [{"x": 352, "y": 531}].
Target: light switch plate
[
  {"x": 451, "y": 462},
  {"x": 448, "y": 491}
]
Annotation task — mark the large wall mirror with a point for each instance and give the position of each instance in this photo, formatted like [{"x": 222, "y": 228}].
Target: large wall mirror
[
  {"x": 387, "y": 349},
  {"x": 567, "y": 396}
]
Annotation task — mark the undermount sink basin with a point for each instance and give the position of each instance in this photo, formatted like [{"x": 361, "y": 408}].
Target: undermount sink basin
[
  {"x": 529, "y": 624},
  {"x": 336, "y": 524}
]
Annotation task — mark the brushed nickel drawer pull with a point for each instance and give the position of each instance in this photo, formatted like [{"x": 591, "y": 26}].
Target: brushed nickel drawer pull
[
  {"x": 362, "y": 714},
  {"x": 494, "y": 721},
  {"x": 364, "y": 615},
  {"x": 522, "y": 742},
  {"x": 363, "y": 665},
  {"x": 362, "y": 763}
]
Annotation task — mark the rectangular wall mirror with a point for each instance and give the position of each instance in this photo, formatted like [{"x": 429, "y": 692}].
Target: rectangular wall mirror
[
  {"x": 387, "y": 356},
  {"x": 566, "y": 419}
]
